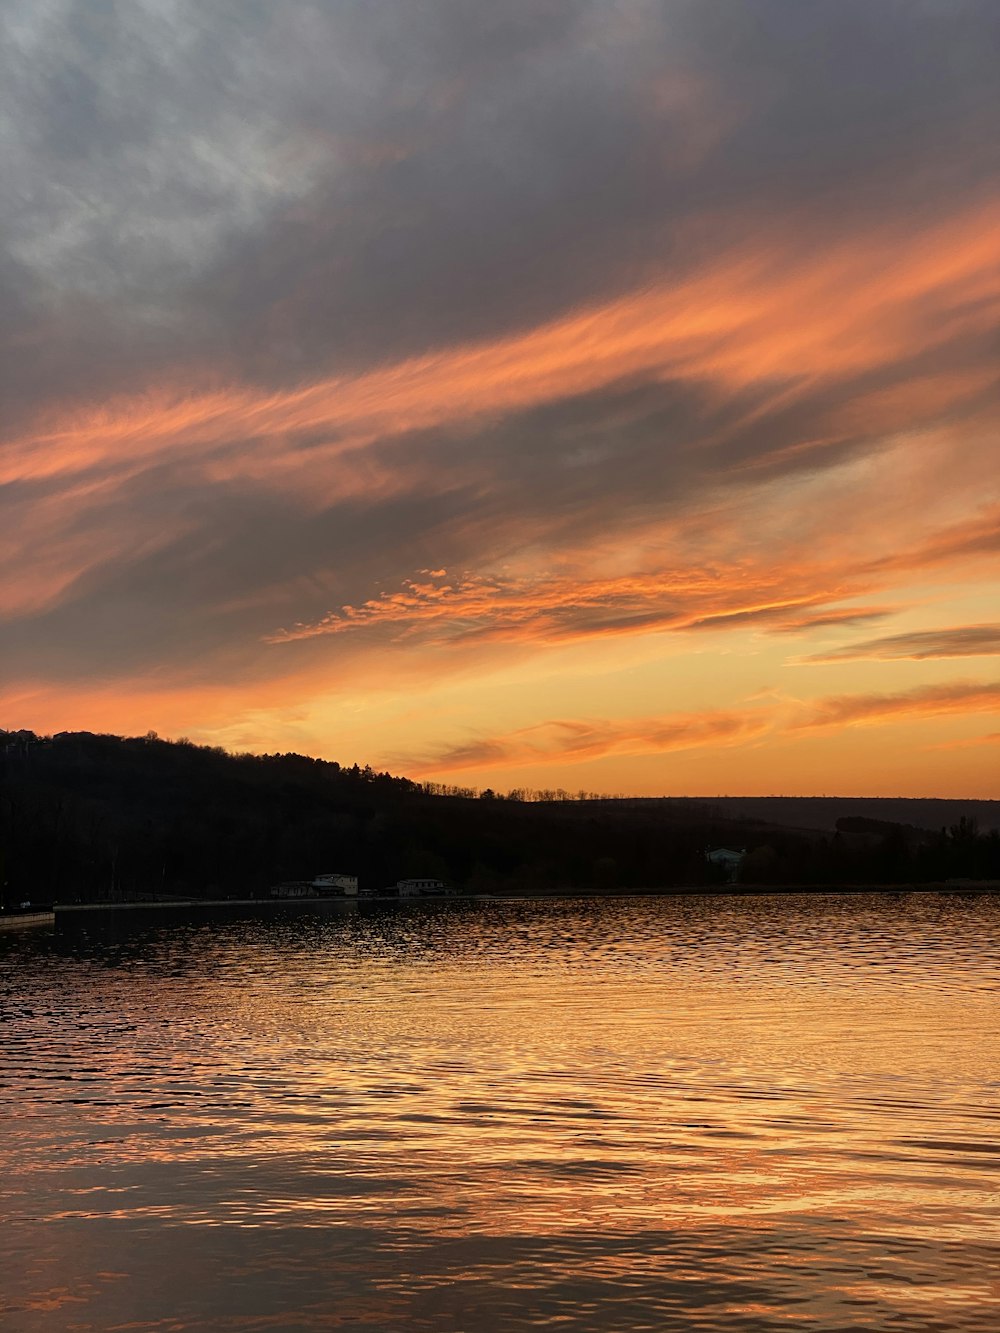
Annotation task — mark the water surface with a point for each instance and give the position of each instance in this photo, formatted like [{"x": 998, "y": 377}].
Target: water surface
[{"x": 677, "y": 1113}]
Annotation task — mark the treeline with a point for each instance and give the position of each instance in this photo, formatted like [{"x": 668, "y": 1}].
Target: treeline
[
  {"x": 871, "y": 851},
  {"x": 94, "y": 817},
  {"x": 537, "y": 794}
]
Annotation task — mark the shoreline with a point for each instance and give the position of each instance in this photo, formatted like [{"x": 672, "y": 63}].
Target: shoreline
[
  {"x": 17, "y": 921},
  {"x": 974, "y": 887}
]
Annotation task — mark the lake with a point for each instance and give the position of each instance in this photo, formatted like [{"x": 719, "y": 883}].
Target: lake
[{"x": 691, "y": 1113}]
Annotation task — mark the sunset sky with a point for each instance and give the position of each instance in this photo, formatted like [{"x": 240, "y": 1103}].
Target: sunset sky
[{"x": 595, "y": 395}]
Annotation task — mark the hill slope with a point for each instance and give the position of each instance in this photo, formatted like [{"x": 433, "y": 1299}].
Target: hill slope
[{"x": 84, "y": 816}]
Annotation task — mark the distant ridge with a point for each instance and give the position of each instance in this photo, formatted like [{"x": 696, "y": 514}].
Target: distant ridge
[{"x": 820, "y": 813}]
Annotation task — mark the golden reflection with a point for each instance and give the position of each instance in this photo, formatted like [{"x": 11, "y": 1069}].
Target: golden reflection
[{"x": 639, "y": 1095}]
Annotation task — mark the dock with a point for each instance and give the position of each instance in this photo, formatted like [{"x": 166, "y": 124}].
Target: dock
[{"x": 26, "y": 920}]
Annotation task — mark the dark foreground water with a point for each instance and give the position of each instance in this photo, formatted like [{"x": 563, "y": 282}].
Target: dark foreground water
[{"x": 697, "y": 1114}]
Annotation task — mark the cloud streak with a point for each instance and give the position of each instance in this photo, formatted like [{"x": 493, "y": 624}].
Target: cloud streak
[
  {"x": 747, "y": 319},
  {"x": 574, "y": 741},
  {"x": 958, "y": 697},
  {"x": 920, "y": 645},
  {"x": 436, "y": 607}
]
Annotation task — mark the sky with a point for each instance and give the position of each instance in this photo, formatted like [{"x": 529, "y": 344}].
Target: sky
[{"x": 583, "y": 394}]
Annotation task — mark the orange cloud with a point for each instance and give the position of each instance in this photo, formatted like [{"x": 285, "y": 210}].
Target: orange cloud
[
  {"x": 574, "y": 741},
  {"x": 569, "y": 742},
  {"x": 971, "y": 742},
  {"x": 754, "y": 316},
  {"x": 972, "y": 537},
  {"x": 785, "y": 618},
  {"x": 924, "y": 701},
  {"x": 561, "y": 607}
]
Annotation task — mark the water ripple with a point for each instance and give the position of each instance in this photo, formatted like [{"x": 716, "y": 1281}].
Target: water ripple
[{"x": 698, "y": 1114}]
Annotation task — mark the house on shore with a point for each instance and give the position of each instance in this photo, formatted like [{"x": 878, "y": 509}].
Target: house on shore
[
  {"x": 337, "y": 885},
  {"x": 322, "y": 886}
]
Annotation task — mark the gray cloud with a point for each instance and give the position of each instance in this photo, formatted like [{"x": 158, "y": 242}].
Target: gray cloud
[
  {"x": 487, "y": 195},
  {"x": 345, "y": 180},
  {"x": 920, "y": 645}
]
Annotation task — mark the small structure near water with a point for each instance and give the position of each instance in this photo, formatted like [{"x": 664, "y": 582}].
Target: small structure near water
[
  {"x": 298, "y": 888},
  {"x": 728, "y": 860},
  {"x": 346, "y": 885},
  {"x": 322, "y": 886},
  {"x": 419, "y": 888}
]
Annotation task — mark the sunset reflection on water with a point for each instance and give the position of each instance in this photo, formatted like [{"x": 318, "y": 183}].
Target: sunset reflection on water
[{"x": 705, "y": 1113}]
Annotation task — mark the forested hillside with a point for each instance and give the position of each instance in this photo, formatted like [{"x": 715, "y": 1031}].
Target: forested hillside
[{"x": 86, "y": 817}]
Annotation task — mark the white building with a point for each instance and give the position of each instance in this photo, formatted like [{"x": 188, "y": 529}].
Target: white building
[{"x": 339, "y": 884}]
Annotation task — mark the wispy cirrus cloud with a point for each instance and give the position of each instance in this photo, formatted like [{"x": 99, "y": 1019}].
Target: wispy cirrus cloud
[
  {"x": 793, "y": 617},
  {"x": 751, "y": 316},
  {"x": 576, "y": 741},
  {"x": 437, "y": 607},
  {"x": 990, "y": 739},
  {"x": 919, "y": 645},
  {"x": 920, "y": 702},
  {"x": 833, "y": 618},
  {"x": 975, "y": 536}
]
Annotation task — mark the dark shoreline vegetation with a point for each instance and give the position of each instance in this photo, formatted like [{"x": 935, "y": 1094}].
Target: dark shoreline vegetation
[{"x": 99, "y": 818}]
